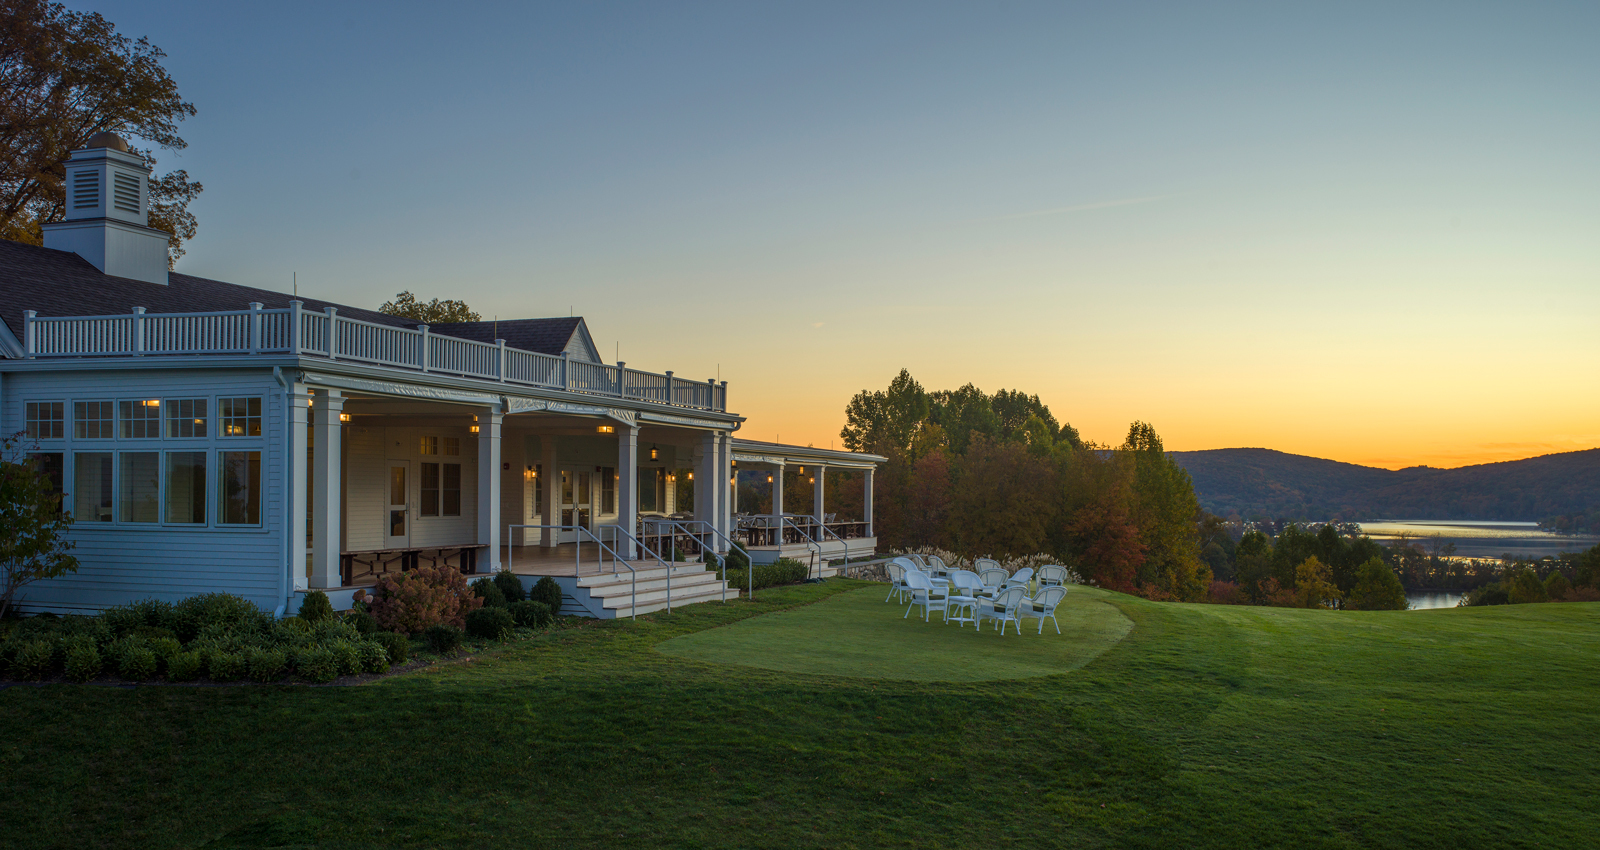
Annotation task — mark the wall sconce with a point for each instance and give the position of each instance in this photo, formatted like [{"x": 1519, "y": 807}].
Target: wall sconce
[
  {"x": 473, "y": 429},
  {"x": 344, "y": 417},
  {"x": 769, "y": 479},
  {"x": 802, "y": 470},
  {"x": 606, "y": 429},
  {"x": 653, "y": 453},
  {"x": 691, "y": 476},
  {"x": 671, "y": 479},
  {"x": 812, "y": 480}
]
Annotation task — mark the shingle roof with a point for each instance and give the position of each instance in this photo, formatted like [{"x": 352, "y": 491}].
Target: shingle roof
[{"x": 61, "y": 283}]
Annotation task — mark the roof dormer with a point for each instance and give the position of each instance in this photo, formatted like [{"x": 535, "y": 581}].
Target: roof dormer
[{"x": 107, "y": 212}]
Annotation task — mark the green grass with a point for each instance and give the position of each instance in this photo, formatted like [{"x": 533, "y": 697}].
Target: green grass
[
  {"x": 858, "y": 634},
  {"x": 1204, "y": 727}
]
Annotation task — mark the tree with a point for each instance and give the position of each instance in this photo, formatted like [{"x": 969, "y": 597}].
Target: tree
[
  {"x": 1165, "y": 512},
  {"x": 963, "y": 414},
  {"x": 64, "y": 78},
  {"x": 1377, "y": 588},
  {"x": 883, "y": 422},
  {"x": 435, "y": 312},
  {"x": 32, "y": 525},
  {"x": 1524, "y": 586},
  {"x": 1556, "y": 586},
  {"x": 1013, "y": 409},
  {"x": 1313, "y": 587}
]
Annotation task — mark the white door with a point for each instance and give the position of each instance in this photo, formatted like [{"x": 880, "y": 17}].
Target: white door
[
  {"x": 577, "y": 506},
  {"x": 397, "y": 520}
]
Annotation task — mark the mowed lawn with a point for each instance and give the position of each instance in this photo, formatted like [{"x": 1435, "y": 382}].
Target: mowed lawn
[{"x": 1203, "y": 726}]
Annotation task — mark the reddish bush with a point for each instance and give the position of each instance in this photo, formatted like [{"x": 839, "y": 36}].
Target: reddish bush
[
  {"x": 1276, "y": 596},
  {"x": 1581, "y": 594},
  {"x": 412, "y": 601},
  {"x": 1154, "y": 593},
  {"x": 1225, "y": 593}
]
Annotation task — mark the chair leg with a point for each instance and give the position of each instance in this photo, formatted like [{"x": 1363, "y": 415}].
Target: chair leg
[
  {"x": 1053, "y": 620},
  {"x": 908, "y": 610}
]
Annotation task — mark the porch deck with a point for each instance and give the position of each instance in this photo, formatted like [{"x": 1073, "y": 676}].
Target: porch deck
[{"x": 559, "y": 560}]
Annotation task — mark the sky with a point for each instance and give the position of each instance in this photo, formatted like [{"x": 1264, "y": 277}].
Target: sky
[{"x": 1361, "y": 231}]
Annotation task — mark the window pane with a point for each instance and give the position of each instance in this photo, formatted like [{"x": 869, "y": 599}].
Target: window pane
[
  {"x": 452, "y": 446},
  {"x": 430, "y": 446},
  {"x": 91, "y": 487},
  {"x": 452, "y": 489},
  {"x": 241, "y": 417},
  {"x": 52, "y": 465},
  {"x": 186, "y": 417},
  {"x": 91, "y": 420},
  {"x": 46, "y": 420},
  {"x": 647, "y": 489},
  {"x": 430, "y": 489},
  {"x": 608, "y": 490},
  {"x": 241, "y": 488},
  {"x": 140, "y": 419},
  {"x": 139, "y": 487},
  {"x": 186, "y": 487},
  {"x": 397, "y": 485}
]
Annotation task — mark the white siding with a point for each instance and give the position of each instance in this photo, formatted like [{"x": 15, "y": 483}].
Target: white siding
[
  {"x": 121, "y": 563},
  {"x": 366, "y": 475}
]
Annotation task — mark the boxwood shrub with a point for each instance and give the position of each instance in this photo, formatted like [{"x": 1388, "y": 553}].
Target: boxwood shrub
[
  {"x": 138, "y": 663},
  {"x": 548, "y": 592},
  {"x": 83, "y": 661},
  {"x": 490, "y": 623},
  {"x": 530, "y": 614},
  {"x": 397, "y": 645},
  {"x": 510, "y": 587},
  {"x": 444, "y": 638},
  {"x": 489, "y": 592}
]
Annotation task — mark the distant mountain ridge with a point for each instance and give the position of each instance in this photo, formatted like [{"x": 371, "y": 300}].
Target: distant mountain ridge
[{"x": 1257, "y": 483}]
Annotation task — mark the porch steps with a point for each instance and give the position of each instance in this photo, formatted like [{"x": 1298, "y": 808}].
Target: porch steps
[{"x": 613, "y": 595}]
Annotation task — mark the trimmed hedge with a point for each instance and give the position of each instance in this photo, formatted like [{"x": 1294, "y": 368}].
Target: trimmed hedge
[
  {"x": 397, "y": 645},
  {"x": 548, "y": 592},
  {"x": 531, "y": 615},
  {"x": 444, "y": 638},
  {"x": 510, "y": 587},
  {"x": 489, "y": 592},
  {"x": 784, "y": 571},
  {"x": 490, "y": 623},
  {"x": 316, "y": 607}
]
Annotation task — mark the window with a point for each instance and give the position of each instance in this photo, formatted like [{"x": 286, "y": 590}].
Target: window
[
  {"x": 452, "y": 446},
  {"x": 46, "y": 420},
  {"x": 186, "y": 417},
  {"x": 140, "y": 419},
  {"x": 139, "y": 487},
  {"x": 240, "y": 487},
  {"x": 186, "y": 487},
  {"x": 441, "y": 489},
  {"x": 241, "y": 417},
  {"x": 649, "y": 489},
  {"x": 608, "y": 490},
  {"x": 430, "y": 446},
  {"x": 91, "y": 486},
  {"x": 91, "y": 420},
  {"x": 52, "y": 465}
]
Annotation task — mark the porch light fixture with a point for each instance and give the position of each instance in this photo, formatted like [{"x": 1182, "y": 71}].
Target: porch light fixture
[
  {"x": 811, "y": 480},
  {"x": 671, "y": 478},
  {"x": 473, "y": 429},
  {"x": 769, "y": 479},
  {"x": 802, "y": 470},
  {"x": 607, "y": 429},
  {"x": 653, "y": 453},
  {"x": 691, "y": 476},
  {"x": 344, "y": 417},
  {"x": 151, "y": 402}
]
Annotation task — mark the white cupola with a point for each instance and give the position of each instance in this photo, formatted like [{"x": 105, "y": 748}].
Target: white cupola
[{"x": 107, "y": 221}]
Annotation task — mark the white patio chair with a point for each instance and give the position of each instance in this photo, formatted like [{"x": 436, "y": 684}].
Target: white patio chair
[
  {"x": 1002, "y": 609},
  {"x": 897, "y": 580},
  {"x": 1052, "y": 575},
  {"x": 937, "y": 565},
  {"x": 925, "y": 594},
  {"x": 1020, "y": 578},
  {"x": 981, "y": 564},
  {"x": 916, "y": 559},
  {"x": 994, "y": 577},
  {"x": 966, "y": 591},
  {"x": 1041, "y": 606}
]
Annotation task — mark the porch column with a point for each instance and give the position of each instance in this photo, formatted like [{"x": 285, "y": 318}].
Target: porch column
[
  {"x": 298, "y": 480},
  {"x": 817, "y": 493},
  {"x": 706, "y": 491},
  {"x": 866, "y": 504},
  {"x": 777, "y": 490},
  {"x": 550, "y": 481},
  {"x": 326, "y": 502},
  {"x": 627, "y": 486},
  {"x": 489, "y": 419}
]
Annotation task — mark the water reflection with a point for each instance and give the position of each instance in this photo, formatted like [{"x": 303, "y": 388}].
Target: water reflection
[
  {"x": 1479, "y": 539},
  {"x": 1422, "y": 600}
]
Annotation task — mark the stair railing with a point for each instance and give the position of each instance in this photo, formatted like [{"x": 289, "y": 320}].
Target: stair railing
[
  {"x": 828, "y": 531},
  {"x": 577, "y": 558},
  {"x": 722, "y": 560},
  {"x": 617, "y": 530}
]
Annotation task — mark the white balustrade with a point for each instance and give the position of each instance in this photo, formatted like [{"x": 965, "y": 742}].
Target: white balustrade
[{"x": 327, "y": 334}]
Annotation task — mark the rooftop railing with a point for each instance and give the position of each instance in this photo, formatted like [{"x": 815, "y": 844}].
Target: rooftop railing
[{"x": 295, "y": 330}]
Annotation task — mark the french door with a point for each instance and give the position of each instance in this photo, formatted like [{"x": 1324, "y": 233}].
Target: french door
[
  {"x": 577, "y": 503},
  {"x": 397, "y": 526}
]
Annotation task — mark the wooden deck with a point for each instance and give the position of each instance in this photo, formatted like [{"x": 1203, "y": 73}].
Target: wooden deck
[{"x": 560, "y": 560}]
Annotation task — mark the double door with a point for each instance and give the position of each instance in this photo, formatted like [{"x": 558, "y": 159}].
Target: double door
[{"x": 577, "y": 503}]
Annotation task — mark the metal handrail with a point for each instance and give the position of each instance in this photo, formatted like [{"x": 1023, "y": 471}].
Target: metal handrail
[
  {"x": 824, "y": 526},
  {"x": 617, "y": 529},
  {"x": 722, "y": 560},
  {"x": 784, "y": 519},
  {"x": 577, "y": 562}
]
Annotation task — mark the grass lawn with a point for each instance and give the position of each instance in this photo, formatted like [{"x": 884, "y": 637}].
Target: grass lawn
[{"x": 1204, "y": 726}]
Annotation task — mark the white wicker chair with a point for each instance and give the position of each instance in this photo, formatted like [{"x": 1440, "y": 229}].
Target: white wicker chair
[
  {"x": 1002, "y": 609},
  {"x": 1052, "y": 575},
  {"x": 897, "y": 580},
  {"x": 1041, "y": 606},
  {"x": 925, "y": 594},
  {"x": 966, "y": 591},
  {"x": 1021, "y": 578},
  {"x": 994, "y": 577}
]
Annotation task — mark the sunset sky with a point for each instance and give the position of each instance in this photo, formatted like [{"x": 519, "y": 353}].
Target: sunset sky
[{"x": 1367, "y": 232}]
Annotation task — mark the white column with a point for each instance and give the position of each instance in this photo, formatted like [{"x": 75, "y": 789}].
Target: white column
[
  {"x": 777, "y": 490},
  {"x": 297, "y": 479},
  {"x": 866, "y": 506},
  {"x": 489, "y": 419},
  {"x": 550, "y": 481},
  {"x": 326, "y": 504},
  {"x": 817, "y": 506},
  {"x": 730, "y": 502},
  {"x": 627, "y": 485},
  {"x": 705, "y": 481}
]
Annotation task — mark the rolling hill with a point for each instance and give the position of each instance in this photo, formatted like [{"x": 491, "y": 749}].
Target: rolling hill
[{"x": 1257, "y": 483}]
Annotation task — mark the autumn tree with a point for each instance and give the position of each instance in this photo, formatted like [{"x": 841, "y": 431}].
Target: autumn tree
[
  {"x": 435, "y": 312},
  {"x": 32, "y": 525},
  {"x": 64, "y": 78},
  {"x": 1314, "y": 587},
  {"x": 1377, "y": 588}
]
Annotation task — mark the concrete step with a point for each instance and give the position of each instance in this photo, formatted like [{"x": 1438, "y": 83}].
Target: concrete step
[
  {"x": 677, "y": 602},
  {"x": 679, "y": 582},
  {"x": 693, "y": 592},
  {"x": 642, "y": 573}
]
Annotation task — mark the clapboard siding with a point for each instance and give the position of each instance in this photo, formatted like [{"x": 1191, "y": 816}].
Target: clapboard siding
[
  {"x": 118, "y": 564},
  {"x": 366, "y": 490}
]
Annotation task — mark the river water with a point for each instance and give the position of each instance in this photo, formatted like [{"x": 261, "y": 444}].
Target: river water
[{"x": 1480, "y": 539}]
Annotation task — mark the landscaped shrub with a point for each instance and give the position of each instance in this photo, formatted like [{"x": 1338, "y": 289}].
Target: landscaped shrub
[
  {"x": 329, "y": 631},
  {"x": 443, "y": 637},
  {"x": 228, "y": 666},
  {"x": 738, "y": 558},
  {"x": 530, "y": 614},
  {"x": 267, "y": 665},
  {"x": 83, "y": 660},
  {"x": 185, "y": 667},
  {"x": 1556, "y": 586},
  {"x": 347, "y": 654},
  {"x": 364, "y": 622},
  {"x": 783, "y": 571},
  {"x": 137, "y": 664},
  {"x": 1524, "y": 586},
  {"x": 92, "y": 629},
  {"x": 33, "y": 660},
  {"x": 548, "y": 592},
  {"x": 315, "y": 607},
  {"x": 164, "y": 648},
  {"x": 317, "y": 664},
  {"x": 510, "y": 586},
  {"x": 412, "y": 601},
  {"x": 397, "y": 645},
  {"x": 374, "y": 657},
  {"x": 489, "y": 592},
  {"x": 122, "y": 619},
  {"x": 217, "y": 611},
  {"x": 490, "y": 623}
]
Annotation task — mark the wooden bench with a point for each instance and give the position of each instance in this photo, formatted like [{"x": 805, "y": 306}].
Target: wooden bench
[{"x": 366, "y": 565}]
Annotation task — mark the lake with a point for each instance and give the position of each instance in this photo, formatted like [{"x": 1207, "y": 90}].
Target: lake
[{"x": 1480, "y": 539}]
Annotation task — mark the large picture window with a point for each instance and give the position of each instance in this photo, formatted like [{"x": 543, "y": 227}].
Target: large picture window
[
  {"x": 186, "y": 487},
  {"x": 452, "y": 489},
  {"x": 441, "y": 489},
  {"x": 139, "y": 487},
  {"x": 430, "y": 489},
  {"x": 608, "y": 490},
  {"x": 186, "y": 418},
  {"x": 46, "y": 420},
  {"x": 241, "y": 417},
  {"x": 91, "y": 486},
  {"x": 140, "y": 419},
  {"x": 241, "y": 487},
  {"x": 92, "y": 420}
]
